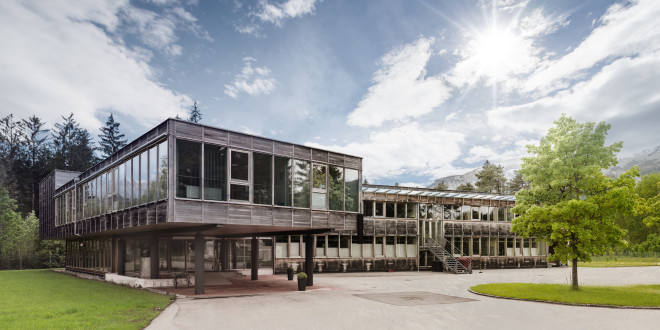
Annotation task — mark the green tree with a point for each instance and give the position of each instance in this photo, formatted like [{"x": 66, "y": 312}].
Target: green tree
[
  {"x": 516, "y": 184},
  {"x": 27, "y": 235},
  {"x": 491, "y": 178},
  {"x": 9, "y": 224},
  {"x": 195, "y": 113},
  {"x": 441, "y": 186},
  {"x": 570, "y": 203},
  {"x": 466, "y": 187},
  {"x": 73, "y": 148},
  {"x": 11, "y": 144},
  {"x": 111, "y": 139},
  {"x": 648, "y": 209},
  {"x": 33, "y": 164}
]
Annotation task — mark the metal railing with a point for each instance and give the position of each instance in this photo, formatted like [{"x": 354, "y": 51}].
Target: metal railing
[{"x": 460, "y": 265}]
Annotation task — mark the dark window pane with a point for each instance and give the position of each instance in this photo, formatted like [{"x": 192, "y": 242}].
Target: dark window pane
[
  {"x": 282, "y": 181},
  {"x": 400, "y": 210},
  {"x": 301, "y": 183},
  {"x": 188, "y": 164},
  {"x": 389, "y": 209},
  {"x": 239, "y": 166},
  {"x": 163, "y": 170},
  {"x": 368, "y": 208},
  {"x": 239, "y": 192},
  {"x": 215, "y": 172},
  {"x": 337, "y": 188},
  {"x": 262, "y": 178},
  {"x": 144, "y": 177},
  {"x": 153, "y": 174},
  {"x": 136, "y": 180},
  {"x": 379, "y": 209}
]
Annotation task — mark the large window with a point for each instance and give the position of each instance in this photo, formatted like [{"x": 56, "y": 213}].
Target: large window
[
  {"x": 336, "y": 182},
  {"x": 239, "y": 188},
  {"x": 188, "y": 164},
  {"x": 215, "y": 172},
  {"x": 136, "y": 181},
  {"x": 144, "y": 177},
  {"x": 162, "y": 172},
  {"x": 121, "y": 185},
  {"x": 301, "y": 183},
  {"x": 411, "y": 210},
  {"x": 368, "y": 208},
  {"x": 352, "y": 179},
  {"x": 319, "y": 188},
  {"x": 262, "y": 181},
  {"x": 153, "y": 174},
  {"x": 282, "y": 181}
]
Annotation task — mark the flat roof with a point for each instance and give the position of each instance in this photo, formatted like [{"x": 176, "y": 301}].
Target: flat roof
[{"x": 410, "y": 191}]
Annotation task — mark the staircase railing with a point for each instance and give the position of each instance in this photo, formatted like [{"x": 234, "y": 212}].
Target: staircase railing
[{"x": 446, "y": 252}]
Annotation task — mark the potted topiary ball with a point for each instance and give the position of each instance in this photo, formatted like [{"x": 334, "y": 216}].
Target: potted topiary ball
[
  {"x": 289, "y": 273},
  {"x": 302, "y": 281}
]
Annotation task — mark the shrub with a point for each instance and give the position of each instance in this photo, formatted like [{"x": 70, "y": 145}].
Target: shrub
[{"x": 302, "y": 276}]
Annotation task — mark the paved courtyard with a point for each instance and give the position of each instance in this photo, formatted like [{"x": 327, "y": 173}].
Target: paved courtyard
[{"x": 415, "y": 300}]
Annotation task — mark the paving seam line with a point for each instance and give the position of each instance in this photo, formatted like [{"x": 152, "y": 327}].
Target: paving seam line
[{"x": 564, "y": 303}]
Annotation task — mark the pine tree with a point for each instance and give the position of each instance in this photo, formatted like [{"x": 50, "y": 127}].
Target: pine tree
[
  {"x": 466, "y": 187},
  {"x": 11, "y": 143},
  {"x": 441, "y": 186},
  {"x": 195, "y": 113},
  {"x": 34, "y": 162},
  {"x": 73, "y": 147},
  {"x": 111, "y": 139},
  {"x": 516, "y": 184},
  {"x": 491, "y": 178}
]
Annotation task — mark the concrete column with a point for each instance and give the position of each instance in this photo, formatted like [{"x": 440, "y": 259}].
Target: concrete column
[
  {"x": 121, "y": 256},
  {"x": 309, "y": 259},
  {"x": 254, "y": 258},
  {"x": 154, "y": 257},
  {"x": 224, "y": 254},
  {"x": 199, "y": 263},
  {"x": 233, "y": 254}
]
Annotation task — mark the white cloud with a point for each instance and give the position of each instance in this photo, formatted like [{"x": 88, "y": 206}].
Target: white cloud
[
  {"x": 401, "y": 87},
  {"x": 408, "y": 148},
  {"x": 253, "y": 81},
  {"x": 276, "y": 13},
  {"x": 58, "y": 58},
  {"x": 624, "y": 31}
]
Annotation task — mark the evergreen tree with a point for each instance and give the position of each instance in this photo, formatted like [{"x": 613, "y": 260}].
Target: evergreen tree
[
  {"x": 491, "y": 178},
  {"x": 516, "y": 184},
  {"x": 195, "y": 113},
  {"x": 570, "y": 203},
  {"x": 441, "y": 186},
  {"x": 365, "y": 181},
  {"x": 111, "y": 139},
  {"x": 466, "y": 187},
  {"x": 11, "y": 143},
  {"x": 34, "y": 162},
  {"x": 9, "y": 224},
  {"x": 73, "y": 148}
]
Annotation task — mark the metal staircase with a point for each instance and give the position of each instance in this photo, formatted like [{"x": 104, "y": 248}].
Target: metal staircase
[{"x": 460, "y": 265}]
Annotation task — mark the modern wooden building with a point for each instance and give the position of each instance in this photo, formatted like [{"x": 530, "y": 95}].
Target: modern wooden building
[{"x": 257, "y": 204}]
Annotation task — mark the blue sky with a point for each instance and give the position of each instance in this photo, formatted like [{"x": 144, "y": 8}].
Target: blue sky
[{"x": 419, "y": 89}]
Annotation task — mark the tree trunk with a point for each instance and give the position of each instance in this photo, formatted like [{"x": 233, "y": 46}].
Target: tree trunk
[{"x": 574, "y": 276}]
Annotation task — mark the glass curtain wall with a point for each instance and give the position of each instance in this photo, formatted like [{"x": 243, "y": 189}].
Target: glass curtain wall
[
  {"x": 336, "y": 188},
  {"x": 262, "y": 181},
  {"x": 215, "y": 173},
  {"x": 188, "y": 169},
  {"x": 352, "y": 190},
  {"x": 319, "y": 188},
  {"x": 282, "y": 181},
  {"x": 301, "y": 183},
  {"x": 239, "y": 188}
]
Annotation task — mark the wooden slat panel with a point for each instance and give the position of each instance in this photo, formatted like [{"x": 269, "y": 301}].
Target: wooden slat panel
[
  {"x": 302, "y": 152},
  {"x": 336, "y": 220},
  {"x": 369, "y": 227},
  {"x": 188, "y": 211},
  {"x": 188, "y": 130},
  {"x": 390, "y": 227},
  {"x": 319, "y": 219},
  {"x": 262, "y": 216},
  {"x": 336, "y": 159},
  {"x": 282, "y": 217},
  {"x": 319, "y": 155},
  {"x": 379, "y": 227},
  {"x": 240, "y": 140},
  {"x": 351, "y": 222},
  {"x": 283, "y": 149},
  {"x": 302, "y": 218},
  {"x": 215, "y": 212},
  {"x": 262, "y": 144},
  {"x": 352, "y": 162},
  {"x": 411, "y": 228},
  {"x": 216, "y": 136},
  {"x": 400, "y": 227},
  {"x": 239, "y": 214}
]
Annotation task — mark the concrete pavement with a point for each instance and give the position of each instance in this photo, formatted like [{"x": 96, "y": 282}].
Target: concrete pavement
[{"x": 421, "y": 300}]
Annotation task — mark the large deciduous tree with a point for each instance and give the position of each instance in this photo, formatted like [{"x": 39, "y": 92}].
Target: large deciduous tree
[
  {"x": 648, "y": 209},
  {"x": 491, "y": 178},
  {"x": 111, "y": 139},
  {"x": 570, "y": 203}
]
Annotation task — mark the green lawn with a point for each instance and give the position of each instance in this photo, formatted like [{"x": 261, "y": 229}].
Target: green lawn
[
  {"x": 620, "y": 261},
  {"x": 31, "y": 299},
  {"x": 635, "y": 295}
]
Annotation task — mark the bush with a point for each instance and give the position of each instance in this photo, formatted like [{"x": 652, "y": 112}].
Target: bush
[{"x": 302, "y": 276}]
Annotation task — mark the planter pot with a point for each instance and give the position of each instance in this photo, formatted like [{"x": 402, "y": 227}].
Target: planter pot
[
  {"x": 289, "y": 274},
  {"x": 302, "y": 284}
]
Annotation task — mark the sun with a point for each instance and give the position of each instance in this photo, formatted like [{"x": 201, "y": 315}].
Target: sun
[{"x": 496, "y": 51}]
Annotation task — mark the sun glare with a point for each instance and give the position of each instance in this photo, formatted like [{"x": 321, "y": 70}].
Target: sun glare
[{"x": 496, "y": 51}]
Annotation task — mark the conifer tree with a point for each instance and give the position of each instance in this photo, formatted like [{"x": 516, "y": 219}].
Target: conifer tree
[
  {"x": 111, "y": 139},
  {"x": 466, "y": 187},
  {"x": 491, "y": 178},
  {"x": 73, "y": 146},
  {"x": 195, "y": 113},
  {"x": 34, "y": 162}
]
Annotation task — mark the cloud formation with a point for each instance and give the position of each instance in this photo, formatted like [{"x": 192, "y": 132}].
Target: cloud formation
[
  {"x": 401, "y": 87},
  {"x": 275, "y": 13},
  {"x": 253, "y": 81}
]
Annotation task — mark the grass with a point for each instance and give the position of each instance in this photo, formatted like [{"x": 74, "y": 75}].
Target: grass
[
  {"x": 31, "y": 299},
  {"x": 635, "y": 295},
  {"x": 620, "y": 261}
]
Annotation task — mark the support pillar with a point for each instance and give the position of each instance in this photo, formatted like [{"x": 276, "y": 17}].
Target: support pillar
[
  {"x": 113, "y": 268},
  {"x": 121, "y": 256},
  {"x": 233, "y": 255},
  {"x": 154, "y": 258},
  {"x": 309, "y": 259},
  {"x": 254, "y": 258},
  {"x": 199, "y": 263},
  {"x": 224, "y": 254}
]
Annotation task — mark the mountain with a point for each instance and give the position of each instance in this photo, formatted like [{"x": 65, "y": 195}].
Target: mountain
[{"x": 647, "y": 160}]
